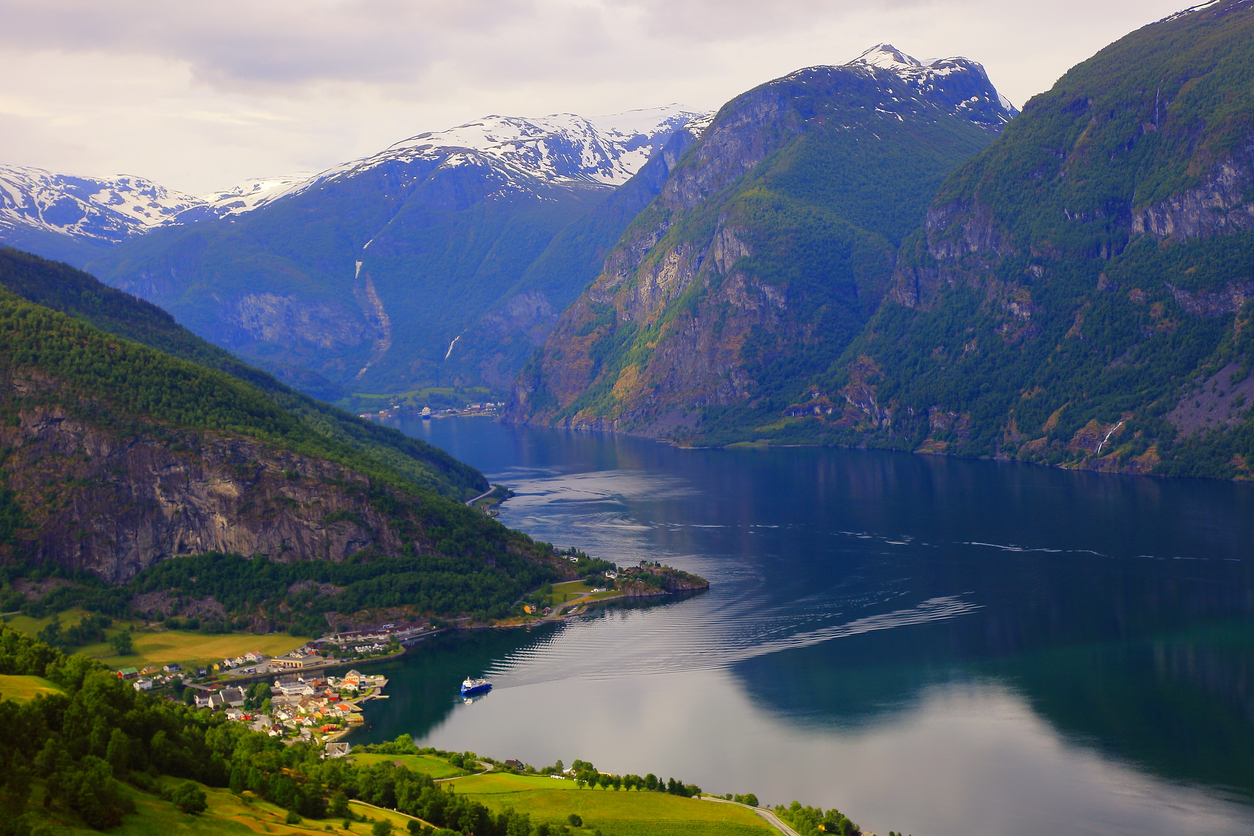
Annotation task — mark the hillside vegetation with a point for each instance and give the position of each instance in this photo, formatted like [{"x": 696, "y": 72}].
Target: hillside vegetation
[
  {"x": 77, "y": 294},
  {"x": 93, "y": 754},
  {"x": 1082, "y": 291},
  {"x": 118, "y": 457},
  {"x": 768, "y": 248}
]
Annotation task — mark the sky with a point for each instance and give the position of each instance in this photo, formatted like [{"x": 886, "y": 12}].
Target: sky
[{"x": 200, "y": 96}]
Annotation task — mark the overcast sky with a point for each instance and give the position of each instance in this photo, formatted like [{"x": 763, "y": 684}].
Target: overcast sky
[{"x": 202, "y": 95}]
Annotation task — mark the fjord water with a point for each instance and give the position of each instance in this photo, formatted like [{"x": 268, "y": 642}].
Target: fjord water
[{"x": 934, "y": 646}]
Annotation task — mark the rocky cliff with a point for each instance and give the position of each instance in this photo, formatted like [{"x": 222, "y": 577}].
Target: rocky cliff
[
  {"x": 115, "y": 457},
  {"x": 115, "y": 506},
  {"x": 1080, "y": 291},
  {"x": 769, "y": 245}
]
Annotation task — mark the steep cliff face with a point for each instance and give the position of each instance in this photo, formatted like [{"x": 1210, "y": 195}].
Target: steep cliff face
[
  {"x": 115, "y": 457},
  {"x": 769, "y": 245},
  {"x": 1078, "y": 288},
  {"x": 76, "y": 294},
  {"x": 114, "y": 506}
]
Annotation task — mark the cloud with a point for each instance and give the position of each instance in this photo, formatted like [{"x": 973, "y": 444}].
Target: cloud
[{"x": 211, "y": 93}]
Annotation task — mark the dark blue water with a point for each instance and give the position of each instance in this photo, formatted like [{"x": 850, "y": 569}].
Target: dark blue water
[{"x": 931, "y": 645}]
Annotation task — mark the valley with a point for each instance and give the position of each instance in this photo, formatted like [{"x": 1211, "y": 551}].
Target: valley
[{"x": 864, "y": 443}]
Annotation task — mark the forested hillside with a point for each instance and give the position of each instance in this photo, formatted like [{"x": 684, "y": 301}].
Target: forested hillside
[
  {"x": 1082, "y": 291},
  {"x": 62, "y": 288},
  {"x": 118, "y": 457},
  {"x": 770, "y": 245},
  {"x": 87, "y": 755}
]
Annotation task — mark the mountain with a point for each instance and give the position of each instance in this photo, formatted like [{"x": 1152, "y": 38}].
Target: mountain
[
  {"x": 769, "y": 246},
  {"x": 92, "y": 212},
  {"x": 413, "y": 266},
  {"x": 69, "y": 291},
  {"x": 1080, "y": 293},
  {"x": 118, "y": 457}
]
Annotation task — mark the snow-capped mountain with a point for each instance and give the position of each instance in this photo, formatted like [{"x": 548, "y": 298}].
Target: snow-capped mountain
[
  {"x": 561, "y": 148},
  {"x": 82, "y": 207},
  {"x": 960, "y": 82}
]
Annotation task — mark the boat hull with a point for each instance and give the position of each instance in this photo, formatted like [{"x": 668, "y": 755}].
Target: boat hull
[{"x": 476, "y": 689}]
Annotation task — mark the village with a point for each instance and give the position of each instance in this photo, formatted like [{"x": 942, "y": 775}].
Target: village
[{"x": 303, "y": 703}]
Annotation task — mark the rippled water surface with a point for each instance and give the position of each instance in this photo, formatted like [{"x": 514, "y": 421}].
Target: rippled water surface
[{"x": 933, "y": 646}]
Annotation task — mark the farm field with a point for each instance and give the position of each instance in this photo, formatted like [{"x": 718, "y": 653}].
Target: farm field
[
  {"x": 23, "y": 688},
  {"x": 162, "y": 647},
  {"x": 181, "y": 646},
  {"x": 614, "y": 813}
]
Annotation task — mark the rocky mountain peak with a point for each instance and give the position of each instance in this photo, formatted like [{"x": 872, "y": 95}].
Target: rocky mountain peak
[
  {"x": 560, "y": 148},
  {"x": 959, "y": 84}
]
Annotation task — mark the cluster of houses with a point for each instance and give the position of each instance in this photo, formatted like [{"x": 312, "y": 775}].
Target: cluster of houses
[
  {"x": 364, "y": 642},
  {"x": 252, "y": 657},
  {"x": 146, "y": 679},
  {"x": 302, "y": 707}
]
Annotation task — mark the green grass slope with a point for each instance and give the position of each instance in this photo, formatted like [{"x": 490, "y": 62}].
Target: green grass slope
[{"x": 614, "y": 813}]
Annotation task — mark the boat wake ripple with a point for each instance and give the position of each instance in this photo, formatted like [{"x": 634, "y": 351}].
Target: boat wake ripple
[{"x": 678, "y": 638}]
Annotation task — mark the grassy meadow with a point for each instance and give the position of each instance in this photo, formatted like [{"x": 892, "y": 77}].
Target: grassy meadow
[
  {"x": 228, "y": 815},
  {"x": 160, "y": 647},
  {"x": 614, "y": 813},
  {"x": 23, "y": 688}
]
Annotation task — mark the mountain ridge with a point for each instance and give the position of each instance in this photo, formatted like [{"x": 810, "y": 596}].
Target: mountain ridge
[
  {"x": 770, "y": 241},
  {"x": 604, "y": 150},
  {"x": 1079, "y": 292}
]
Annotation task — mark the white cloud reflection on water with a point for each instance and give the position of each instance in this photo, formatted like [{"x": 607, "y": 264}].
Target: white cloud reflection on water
[
  {"x": 657, "y": 689},
  {"x": 967, "y": 758}
]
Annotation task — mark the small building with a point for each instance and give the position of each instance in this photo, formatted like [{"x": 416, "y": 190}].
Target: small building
[
  {"x": 142, "y": 684},
  {"x": 128, "y": 673},
  {"x": 291, "y": 663},
  {"x": 202, "y": 700},
  {"x": 173, "y": 667},
  {"x": 234, "y": 696}
]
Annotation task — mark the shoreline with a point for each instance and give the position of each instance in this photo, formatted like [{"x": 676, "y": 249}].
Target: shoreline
[{"x": 755, "y": 445}]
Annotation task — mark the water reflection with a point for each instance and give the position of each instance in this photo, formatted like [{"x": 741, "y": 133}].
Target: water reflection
[{"x": 933, "y": 645}]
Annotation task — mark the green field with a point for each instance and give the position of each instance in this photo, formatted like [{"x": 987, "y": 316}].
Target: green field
[
  {"x": 429, "y": 764},
  {"x": 162, "y": 647},
  {"x": 180, "y": 646},
  {"x": 569, "y": 591},
  {"x": 614, "y": 813},
  {"x": 22, "y": 688}
]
